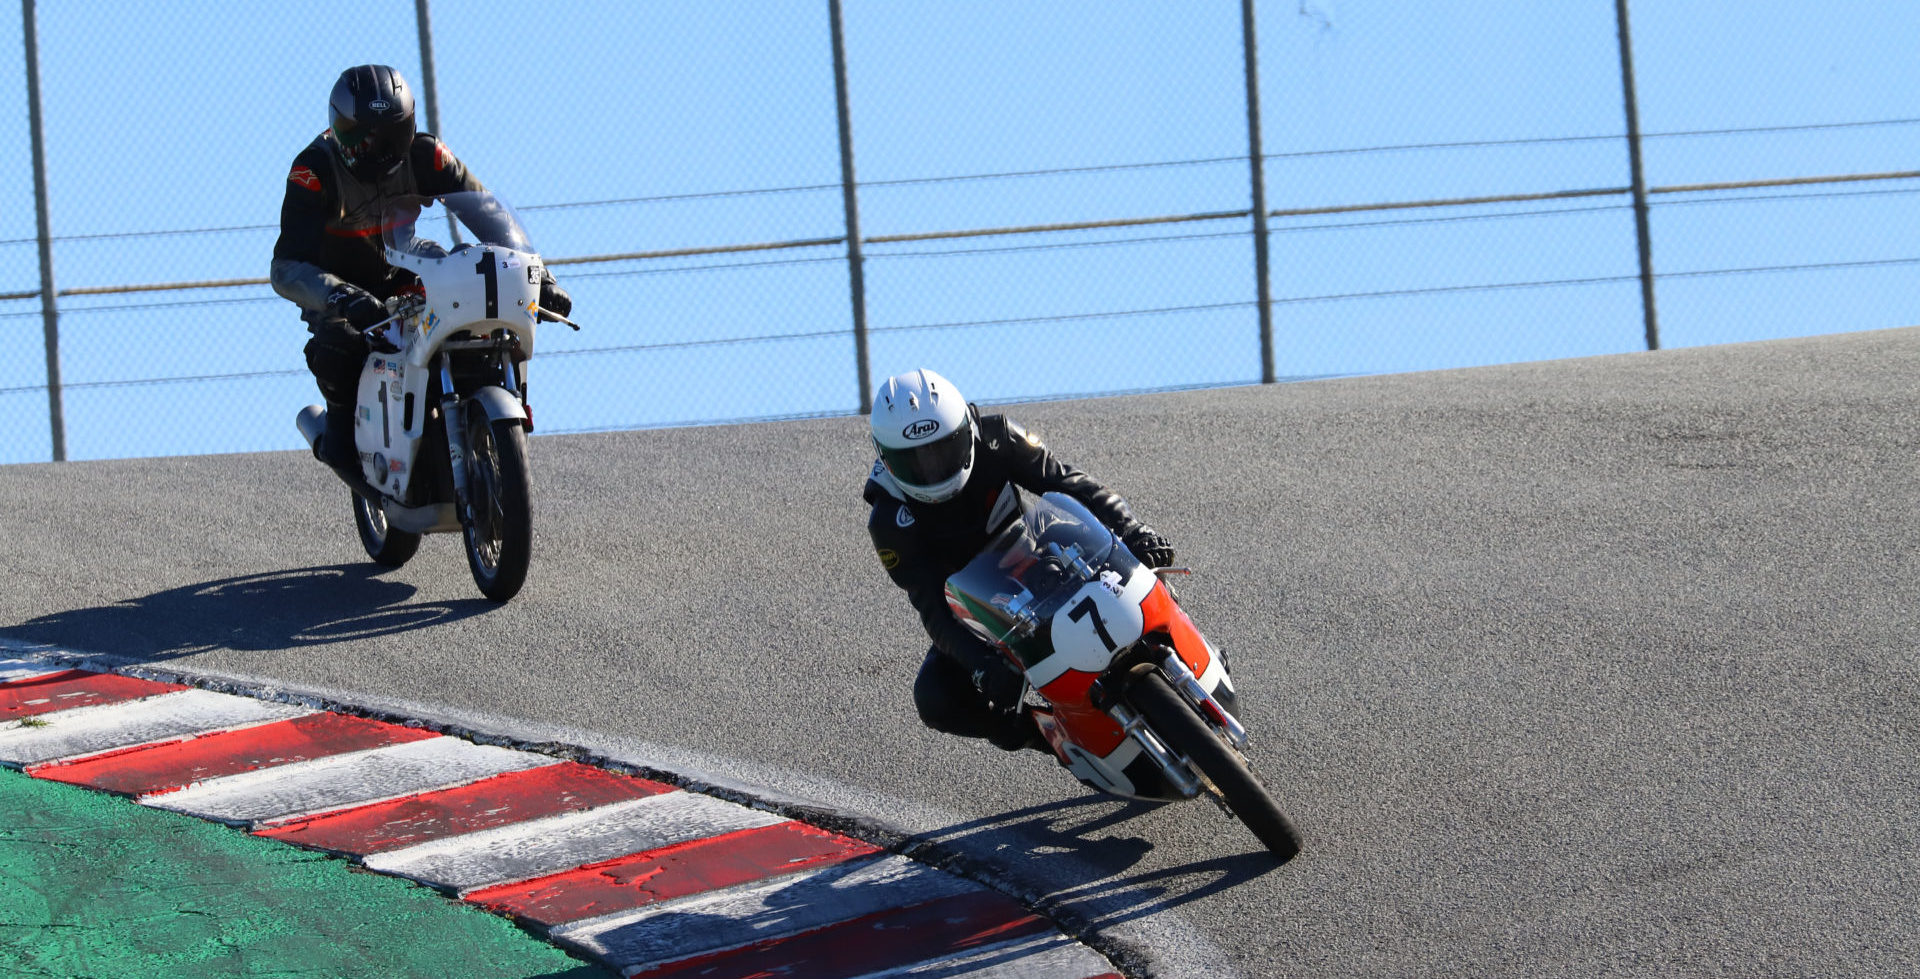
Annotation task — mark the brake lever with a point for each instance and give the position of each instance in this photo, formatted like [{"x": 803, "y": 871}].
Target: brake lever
[{"x": 549, "y": 316}]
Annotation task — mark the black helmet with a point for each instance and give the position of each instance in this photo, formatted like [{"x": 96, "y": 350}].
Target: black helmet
[{"x": 372, "y": 115}]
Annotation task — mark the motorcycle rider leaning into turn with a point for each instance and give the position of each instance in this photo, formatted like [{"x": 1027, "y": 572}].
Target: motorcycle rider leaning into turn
[
  {"x": 946, "y": 481},
  {"x": 329, "y": 258}
]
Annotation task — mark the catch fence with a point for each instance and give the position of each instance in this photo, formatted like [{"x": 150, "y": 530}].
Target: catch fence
[{"x": 784, "y": 301}]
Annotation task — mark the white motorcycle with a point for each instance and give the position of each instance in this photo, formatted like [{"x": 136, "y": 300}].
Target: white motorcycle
[{"x": 441, "y": 424}]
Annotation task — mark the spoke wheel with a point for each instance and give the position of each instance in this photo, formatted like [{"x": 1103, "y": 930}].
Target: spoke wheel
[
  {"x": 384, "y": 544},
  {"x": 499, "y": 519},
  {"x": 1182, "y": 729}
]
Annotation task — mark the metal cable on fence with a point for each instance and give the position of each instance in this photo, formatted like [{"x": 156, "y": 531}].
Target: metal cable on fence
[
  {"x": 1060, "y": 171},
  {"x": 1071, "y": 317}
]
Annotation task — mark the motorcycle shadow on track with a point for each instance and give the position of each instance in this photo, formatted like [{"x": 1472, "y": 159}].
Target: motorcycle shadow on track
[
  {"x": 671, "y": 934},
  {"x": 1058, "y": 835},
  {"x": 278, "y": 610}
]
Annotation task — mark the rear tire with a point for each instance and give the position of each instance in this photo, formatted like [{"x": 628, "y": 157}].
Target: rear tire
[
  {"x": 499, "y": 531},
  {"x": 384, "y": 544},
  {"x": 1187, "y": 734}
]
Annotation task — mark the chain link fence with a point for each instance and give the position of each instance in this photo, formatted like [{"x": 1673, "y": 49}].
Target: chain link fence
[{"x": 1054, "y": 200}]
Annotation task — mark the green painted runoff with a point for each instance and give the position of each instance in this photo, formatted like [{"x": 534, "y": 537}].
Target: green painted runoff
[{"x": 93, "y": 885}]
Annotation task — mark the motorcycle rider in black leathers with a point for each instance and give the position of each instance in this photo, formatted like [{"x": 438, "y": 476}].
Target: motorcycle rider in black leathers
[
  {"x": 946, "y": 481},
  {"x": 329, "y": 258}
]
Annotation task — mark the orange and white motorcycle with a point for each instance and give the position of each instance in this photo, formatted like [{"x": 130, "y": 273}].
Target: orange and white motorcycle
[{"x": 1134, "y": 700}]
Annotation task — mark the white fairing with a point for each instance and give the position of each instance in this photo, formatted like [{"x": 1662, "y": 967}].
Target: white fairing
[
  {"x": 389, "y": 447},
  {"x": 479, "y": 288},
  {"x": 1102, "y": 617},
  {"x": 476, "y": 289},
  {"x": 1109, "y": 773}
]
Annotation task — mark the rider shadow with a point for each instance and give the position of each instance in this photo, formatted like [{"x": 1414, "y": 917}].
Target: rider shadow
[
  {"x": 1059, "y": 827},
  {"x": 888, "y": 933},
  {"x": 1060, "y": 831},
  {"x": 1103, "y": 904},
  {"x": 280, "y": 610}
]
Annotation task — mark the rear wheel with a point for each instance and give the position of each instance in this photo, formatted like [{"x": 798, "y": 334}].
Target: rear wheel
[
  {"x": 499, "y": 529},
  {"x": 384, "y": 544},
  {"x": 1188, "y": 735}
]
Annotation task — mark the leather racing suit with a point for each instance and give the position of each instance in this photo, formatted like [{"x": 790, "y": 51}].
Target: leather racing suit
[
  {"x": 330, "y": 236},
  {"x": 920, "y": 544}
]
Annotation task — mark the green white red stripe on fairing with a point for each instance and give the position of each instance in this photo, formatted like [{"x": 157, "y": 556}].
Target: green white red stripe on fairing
[{"x": 643, "y": 877}]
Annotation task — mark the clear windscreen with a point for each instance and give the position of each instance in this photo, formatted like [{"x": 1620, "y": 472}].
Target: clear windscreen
[
  {"x": 1028, "y": 568},
  {"x": 409, "y": 224}
]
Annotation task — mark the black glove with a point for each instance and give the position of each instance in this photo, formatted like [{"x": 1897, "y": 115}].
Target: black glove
[
  {"x": 357, "y": 306},
  {"x": 1151, "y": 548},
  {"x": 1001, "y": 685},
  {"x": 553, "y": 298}
]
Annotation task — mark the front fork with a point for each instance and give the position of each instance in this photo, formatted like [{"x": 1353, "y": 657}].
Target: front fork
[
  {"x": 1188, "y": 686},
  {"x": 453, "y": 414},
  {"x": 1176, "y": 769},
  {"x": 453, "y": 411}
]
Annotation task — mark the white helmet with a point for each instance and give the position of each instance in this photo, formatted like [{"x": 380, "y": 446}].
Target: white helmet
[{"x": 924, "y": 433}]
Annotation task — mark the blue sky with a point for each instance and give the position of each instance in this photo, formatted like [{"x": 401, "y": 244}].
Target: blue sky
[{"x": 185, "y": 116}]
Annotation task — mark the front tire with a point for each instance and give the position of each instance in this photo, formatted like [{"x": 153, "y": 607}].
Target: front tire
[
  {"x": 499, "y": 525},
  {"x": 1188, "y": 735},
  {"x": 384, "y": 544}
]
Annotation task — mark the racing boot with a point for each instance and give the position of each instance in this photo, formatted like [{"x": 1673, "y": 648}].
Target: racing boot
[
  {"x": 336, "y": 447},
  {"x": 1019, "y": 731},
  {"x": 330, "y": 431}
]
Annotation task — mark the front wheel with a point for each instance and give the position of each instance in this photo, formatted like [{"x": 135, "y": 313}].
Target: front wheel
[
  {"x": 1189, "y": 736},
  {"x": 384, "y": 544},
  {"x": 499, "y": 524}
]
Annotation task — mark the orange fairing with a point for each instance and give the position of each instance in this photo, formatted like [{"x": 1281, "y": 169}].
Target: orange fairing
[
  {"x": 1163, "y": 614},
  {"x": 1094, "y": 728}
]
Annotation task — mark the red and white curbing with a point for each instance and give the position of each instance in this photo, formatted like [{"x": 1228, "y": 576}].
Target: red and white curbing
[{"x": 642, "y": 876}]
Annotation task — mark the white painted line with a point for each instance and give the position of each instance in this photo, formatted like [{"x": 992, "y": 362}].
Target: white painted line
[
  {"x": 1051, "y": 956},
  {"x": 543, "y": 846},
  {"x": 738, "y": 916},
  {"x": 21, "y": 669},
  {"x": 68, "y": 734},
  {"x": 352, "y": 779}
]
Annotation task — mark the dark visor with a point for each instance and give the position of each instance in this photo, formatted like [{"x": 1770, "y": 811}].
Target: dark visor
[
  {"x": 378, "y": 142},
  {"x": 934, "y": 462}
]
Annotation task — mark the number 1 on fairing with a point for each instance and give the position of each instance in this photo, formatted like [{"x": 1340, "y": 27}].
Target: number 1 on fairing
[{"x": 491, "y": 273}]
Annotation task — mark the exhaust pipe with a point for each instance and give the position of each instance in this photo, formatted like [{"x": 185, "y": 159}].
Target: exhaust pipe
[{"x": 312, "y": 422}]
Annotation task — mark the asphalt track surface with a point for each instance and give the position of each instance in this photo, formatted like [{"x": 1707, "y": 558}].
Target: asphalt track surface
[{"x": 1595, "y": 667}]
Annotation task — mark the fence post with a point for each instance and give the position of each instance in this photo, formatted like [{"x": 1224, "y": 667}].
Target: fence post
[
  {"x": 430, "y": 86},
  {"x": 855, "y": 275},
  {"x": 1257, "y": 162},
  {"x": 1640, "y": 228},
  {"x": 49, "y": 307}
]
